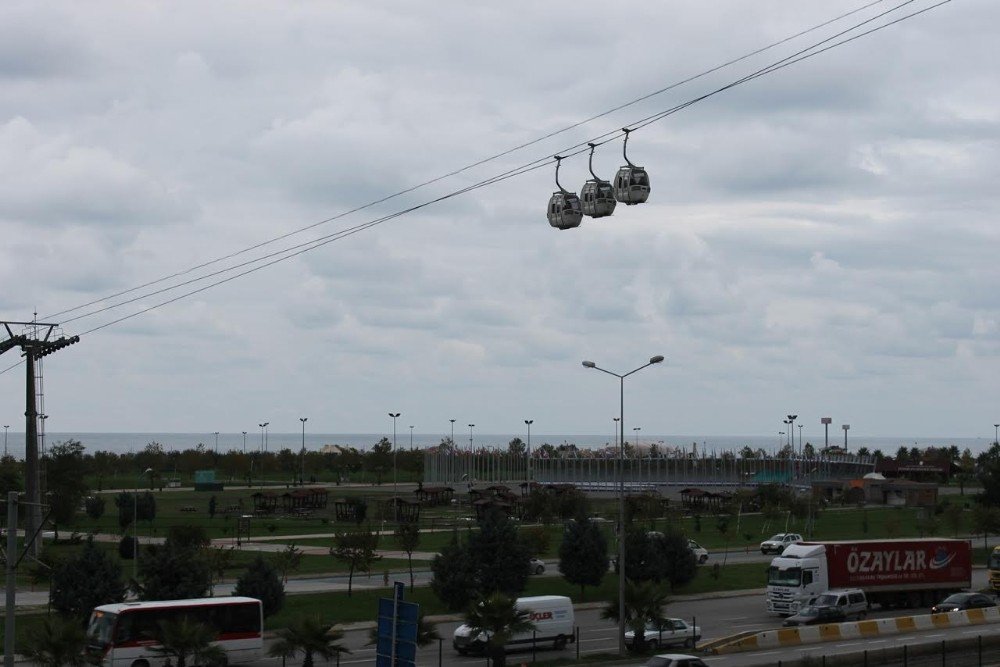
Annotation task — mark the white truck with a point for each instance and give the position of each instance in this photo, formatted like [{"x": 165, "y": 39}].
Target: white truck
[{"x": 551, "y": 614}]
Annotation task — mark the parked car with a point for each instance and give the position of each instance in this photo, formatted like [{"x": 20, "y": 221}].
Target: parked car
[
  {"x": 777, "y": 543},
  {"x": 962, "y": 601},
  {"x": 536, "y": 566},
  {"x": 813, "y": 615},
  {"x": 700, "y": 552},
  {"x": 675, "y": 660},
  {"x": 672, "y": 632},
  {"x": 852, "y": 602}
]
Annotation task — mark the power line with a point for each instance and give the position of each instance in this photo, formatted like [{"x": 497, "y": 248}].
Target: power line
[{"x": 471, "y": 165}]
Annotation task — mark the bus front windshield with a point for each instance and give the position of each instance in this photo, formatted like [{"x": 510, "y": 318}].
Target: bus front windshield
[
  {"x": 995, "y": 561},
  {"x": 788, "y": 577},
  {"x": 101, "y": 628}
]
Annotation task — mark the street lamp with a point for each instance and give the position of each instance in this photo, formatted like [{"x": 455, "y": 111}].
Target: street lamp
[
  {"x": 263, "y": 445},
  {"x": 244, "y": 442},
  {"x": 846, "y": 427},
  {"x": 637, "y": 429},
  {"x": 471, "y": 426},
  {"x": 996, "y": 437},
  {"x": 5, "y": 427},
  {"x": 411, "y": 437},
  {"x": 791, "y": 420},
  {"x": 800, "y": 437},
  {"x": 135, "y": 526},
  {"x": 621, "y": 491},
  {"x": 394, "y": 415},
  {"x": 787, "y": 423},
  {"x": 528, "y": 423},
  {"x": 216, "y": 442},
  {"x": 302, "y": 474}
]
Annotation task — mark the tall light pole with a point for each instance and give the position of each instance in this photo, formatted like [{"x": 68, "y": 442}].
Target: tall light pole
[
  {"x": 263, "y": 445},
  {"x": 411, "y": 437},
  {"x": 42, "y": 434},
  {"x": 471, "y": 426},
  {"x": 216, "y": 442},
  {"x": 394, "y": 415},
  {"x": 996, "y": 437},
  {"x": 302, "y": 474},
  {"x": 135, "y": 526},
  {"x": 780, "y": 439},
  {"x": 528, "y": 423},
  {"x": 5, "y": 427},
  {"x": 244, "y": 442},
  {"x": 636, "y": 429},
  {"x": 791, "y": 420},
  {"x": 621, "y": 491},
  {"x": 826, "y": 421},
  {"x": 787, "y": 423},
  {"x": 846, "y": 427},
  {"x": 800, "y": 437}
]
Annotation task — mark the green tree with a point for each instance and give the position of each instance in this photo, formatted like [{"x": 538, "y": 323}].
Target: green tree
[
  {"x": 142, "y": 508},
  {"x": 219, "y": 560},
  {"x": 985, "y": 522},
  {"x": 454, "y": 580},
  {"x": 356, "y": 549},
  {"x": 84, "y": 581},
  {"x": 407, "y": 536},
  {"x": 583, "y": 554},
  {"x": 644, "y": 602},
  {"x": 261, "y": 581},
  {"x": 516, "y": 447},
  {"x": 174, "y": 570},
  {"x": 536, "y": 538},
  {"x": 380, "y": 458},
  {"x": 65, "y": 474},
  {"x": 954, "y": 518},
  {"x": 184, "y": 638},
  {"x": 95, "y": 507},
  {"x": 11, "y": 475},
  {"x": 309, "y": 636},
  {"x": 499, "y": 556},
  {"x": 498, "y": 617},
  {"x": 287, "y": 560},
  {"x": 188, "y": 536},
  {"x": 56, "y": 642}
]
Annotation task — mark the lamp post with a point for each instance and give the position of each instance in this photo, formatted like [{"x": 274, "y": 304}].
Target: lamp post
[
  {"x": 411, "y": 437},
  {"x": 996, "y": 437},
  {"x": 787, "y": 422},
  {"x": 135, "y": 526},
  {"x": 791, "y": 420},
  {"x": 216, "y": 442},
  {"x": 5, "y": 427},
  {"x": 302, "y": 474},
  {"x": 636, "y": 429},
  {"x": 454, "y": 453},
  {"x": 394, "y": 415},
  {"x": 826, "y": 421},
  {"x": 621, "y": 490},
  {"x": 263, "y": 445},
  {"x": 528, "y": 423},
  {"x": 244, "y": 442},
  {"x": 800, "y": 437},
  {"x": 846, "y": 427},
  {"x": 472, "y": 462},
  {"x": 780, "y": 439}
]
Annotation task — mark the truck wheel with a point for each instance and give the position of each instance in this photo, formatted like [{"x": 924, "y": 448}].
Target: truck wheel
[{"x": 560, "y": 643}]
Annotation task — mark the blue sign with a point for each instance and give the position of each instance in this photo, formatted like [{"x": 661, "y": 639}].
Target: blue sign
[{"x": 396, "y": 615}]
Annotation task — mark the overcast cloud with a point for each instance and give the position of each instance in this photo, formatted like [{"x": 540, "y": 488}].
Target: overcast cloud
[{"x": 821, "y": 241}]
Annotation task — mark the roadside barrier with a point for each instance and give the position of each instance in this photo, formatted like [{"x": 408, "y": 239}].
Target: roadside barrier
[{"x": 828, "y": 632}]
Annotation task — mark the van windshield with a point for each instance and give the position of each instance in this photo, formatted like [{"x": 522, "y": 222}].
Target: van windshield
[{"x": 789, "y": 577}]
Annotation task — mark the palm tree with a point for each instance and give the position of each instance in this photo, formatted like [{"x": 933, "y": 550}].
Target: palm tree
[
  {"x": 55, "y": 643},
  {"x": 308, "y": 635},
  {"x": 644, "y": 602},
  {"x": 498, "y": 617},
  {"x": 184, "y": 638}
]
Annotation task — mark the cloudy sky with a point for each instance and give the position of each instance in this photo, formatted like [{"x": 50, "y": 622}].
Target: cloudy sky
[{"x": 820, "y": 241}]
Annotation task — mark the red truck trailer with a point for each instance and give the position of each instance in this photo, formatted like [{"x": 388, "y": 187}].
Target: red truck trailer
[{"x": 906, "y": 572}]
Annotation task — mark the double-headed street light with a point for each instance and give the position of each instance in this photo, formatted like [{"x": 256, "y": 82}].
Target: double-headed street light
[
  {"x": 302, "y": 474},
  {"x": 528, "y": 423},
  {"x": 394, "y": 416},
  {"x": 5, "y": 427},
  {"x": 621, "y": 490},
  {"x": 791, "y": 420}
]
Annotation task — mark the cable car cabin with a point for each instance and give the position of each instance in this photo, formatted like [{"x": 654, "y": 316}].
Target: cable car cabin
[
  {"x": 631, "y": 185},
  {"x": 565, "y": 211},
  {"x": 598, "y": 198}
]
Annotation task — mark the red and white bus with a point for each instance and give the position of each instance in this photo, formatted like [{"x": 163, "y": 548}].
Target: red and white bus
[{"x": 122, "y": 634}]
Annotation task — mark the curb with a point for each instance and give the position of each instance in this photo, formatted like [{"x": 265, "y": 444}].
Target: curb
[{"x": 829, "y": 632}]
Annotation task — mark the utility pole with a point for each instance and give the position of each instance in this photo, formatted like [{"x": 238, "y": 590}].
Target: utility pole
[{"x": 33, "y": 347}]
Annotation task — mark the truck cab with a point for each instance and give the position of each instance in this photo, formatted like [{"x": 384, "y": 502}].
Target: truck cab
[{"x": 796, "y": 576}]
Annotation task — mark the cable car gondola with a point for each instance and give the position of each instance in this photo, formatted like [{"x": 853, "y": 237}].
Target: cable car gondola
[
  {"x": 565, "y": 211},
  {"x": 597, "y": 196},
  {"x": 631, "y": 182}
]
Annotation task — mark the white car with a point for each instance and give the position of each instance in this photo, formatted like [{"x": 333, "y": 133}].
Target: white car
[
  {"x": 672, "y": 632},
  {"x": 536, "y": 566},
  {"x": 675, "y": 660},
  {"x": 777, "y": 543},
  {"x": 700, "y": 552}
]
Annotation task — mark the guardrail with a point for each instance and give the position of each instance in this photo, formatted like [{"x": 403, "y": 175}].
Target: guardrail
[{"x": 828, "y": 632}]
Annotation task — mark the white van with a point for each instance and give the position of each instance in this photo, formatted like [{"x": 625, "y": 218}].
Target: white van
[
  {"x": 851, "y": 601},
  {"x": 551, "y": 614}
]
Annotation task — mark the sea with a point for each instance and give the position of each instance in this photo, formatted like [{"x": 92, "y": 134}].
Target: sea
[{"x": 253, "y": 441}]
